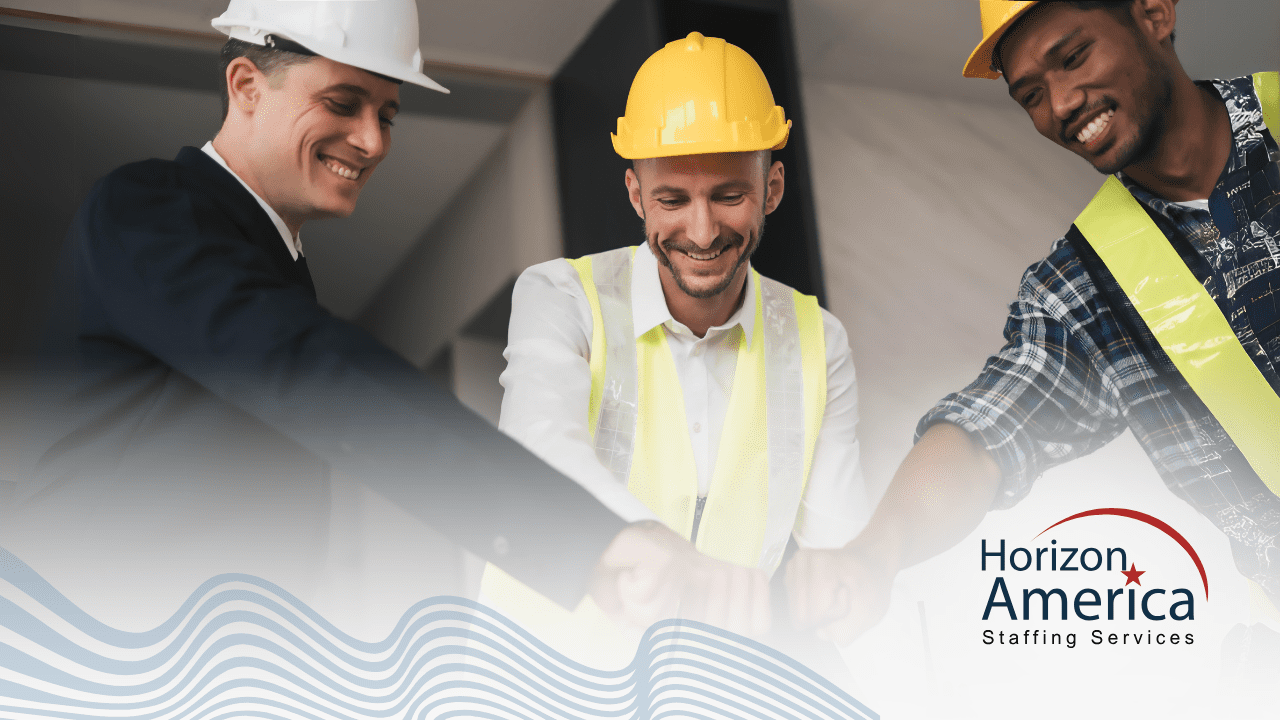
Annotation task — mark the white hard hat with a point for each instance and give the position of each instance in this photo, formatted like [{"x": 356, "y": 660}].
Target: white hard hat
[{"x": 380, "y": 36}]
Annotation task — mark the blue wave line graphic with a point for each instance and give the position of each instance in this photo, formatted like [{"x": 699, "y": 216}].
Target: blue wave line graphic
[{"x": 241, "y": 647}]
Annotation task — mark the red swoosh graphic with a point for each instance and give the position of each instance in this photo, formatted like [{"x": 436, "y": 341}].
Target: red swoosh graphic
[{"x": 1153, "y": 522}]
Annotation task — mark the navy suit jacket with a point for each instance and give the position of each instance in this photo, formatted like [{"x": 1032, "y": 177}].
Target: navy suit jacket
[{"x": 186, "y": 339}]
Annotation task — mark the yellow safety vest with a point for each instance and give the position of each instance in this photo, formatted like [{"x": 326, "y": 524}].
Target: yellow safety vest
[
  {"x": 1189, "y": 325},
  {"x": 1184, "y": 319},
  {"x": 637, "y": 421}
]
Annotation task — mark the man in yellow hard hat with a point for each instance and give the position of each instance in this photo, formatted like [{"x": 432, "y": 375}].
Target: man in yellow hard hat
[
  {"x": 723, "y": 401},
  {"x": 204, "y": 394},
  {"x": 1156, "y": 312}
]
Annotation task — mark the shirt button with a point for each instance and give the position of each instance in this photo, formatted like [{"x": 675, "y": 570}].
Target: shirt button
[{"x": 697, "y": 427}]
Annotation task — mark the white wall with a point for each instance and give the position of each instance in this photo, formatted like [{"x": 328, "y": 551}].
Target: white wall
[
  {"x": 506, "y": 218},
  {"x": 477, "y": 363},
  {"x": 928, "y": 211}
]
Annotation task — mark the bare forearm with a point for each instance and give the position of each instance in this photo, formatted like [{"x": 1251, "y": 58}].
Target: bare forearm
[{"x": 940, "y": 493}]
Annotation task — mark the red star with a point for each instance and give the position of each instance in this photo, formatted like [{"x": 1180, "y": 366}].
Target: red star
[{"x": 1132, "y": 575}]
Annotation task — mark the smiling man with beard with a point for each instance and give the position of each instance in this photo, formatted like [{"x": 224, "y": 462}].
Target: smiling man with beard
[{"x": 723, "y": 401}]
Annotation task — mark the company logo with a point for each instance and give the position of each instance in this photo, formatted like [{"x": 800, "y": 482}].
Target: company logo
[{"x": 1104, "y": 585}]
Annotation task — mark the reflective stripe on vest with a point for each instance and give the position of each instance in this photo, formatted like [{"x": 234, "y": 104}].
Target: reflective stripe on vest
[
  {"x": 1185, "y": 320},
  {"x": 1267, "y": 87},
  {"x": 637, "y": 421}
]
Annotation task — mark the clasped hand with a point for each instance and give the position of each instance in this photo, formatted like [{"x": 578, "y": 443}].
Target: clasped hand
[{"x": 649, "y": 573}]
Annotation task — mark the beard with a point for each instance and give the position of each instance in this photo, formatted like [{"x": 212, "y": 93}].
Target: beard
[
  {"x": 722, "y": 243},
  {"x": 1149, "y": 111}
]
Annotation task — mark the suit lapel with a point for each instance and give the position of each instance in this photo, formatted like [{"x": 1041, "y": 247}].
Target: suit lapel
[{"x": 248, "y": 214}]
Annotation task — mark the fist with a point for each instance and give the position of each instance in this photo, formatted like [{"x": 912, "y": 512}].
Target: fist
[
  {"x": 838, "y": 594},
  {"x": 649, "y": 574}
]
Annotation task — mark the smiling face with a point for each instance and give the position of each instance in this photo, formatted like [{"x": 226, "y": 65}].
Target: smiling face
[
  {"x": 1093, "y": 81},
  {"x": 704, "y": 215},
  {"x": 318, "y": 131}
]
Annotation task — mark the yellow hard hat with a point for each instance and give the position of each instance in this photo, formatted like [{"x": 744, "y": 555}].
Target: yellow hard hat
[
  {"x": 699, "y": 95},
  {"x": 997, "y": 17}
]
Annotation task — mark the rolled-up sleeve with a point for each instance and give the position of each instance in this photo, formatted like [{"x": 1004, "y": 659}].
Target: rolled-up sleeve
[{"x": 1044, "y": 398}]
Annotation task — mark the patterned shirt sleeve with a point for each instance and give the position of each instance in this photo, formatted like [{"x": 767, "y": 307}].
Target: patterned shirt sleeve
[{"x": 1046, "y": 397}]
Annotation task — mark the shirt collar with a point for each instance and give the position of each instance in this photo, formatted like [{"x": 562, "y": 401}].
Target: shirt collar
[
  {"x": 293, "y": 242},
  {"x": 649, "y": 305},
  {"x": 1245, "y": 116}
]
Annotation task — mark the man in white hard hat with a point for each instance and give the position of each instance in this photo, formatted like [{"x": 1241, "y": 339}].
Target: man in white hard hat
[
  {"x": 205, "y": 395},
  {"x": 1154, "y": 313},
  {"x": 723, "y": 400}
]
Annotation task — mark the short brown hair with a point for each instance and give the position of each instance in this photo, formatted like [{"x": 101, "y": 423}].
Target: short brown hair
[{"x": 270, "y": 61}]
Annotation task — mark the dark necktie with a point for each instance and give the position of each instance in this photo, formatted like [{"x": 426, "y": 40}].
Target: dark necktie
[{"x": 304, "y": 274}]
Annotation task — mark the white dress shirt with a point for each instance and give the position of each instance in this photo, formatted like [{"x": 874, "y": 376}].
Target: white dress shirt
[
  {"x": 548, "y": 387},
  {"x": 291, "y": 241}
]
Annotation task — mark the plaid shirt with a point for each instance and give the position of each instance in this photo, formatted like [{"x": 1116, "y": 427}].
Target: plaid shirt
[{"x": 1079, "y": 366}]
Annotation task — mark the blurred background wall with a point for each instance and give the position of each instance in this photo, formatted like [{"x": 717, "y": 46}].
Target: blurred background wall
[{"x": 920, "y": 196}]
